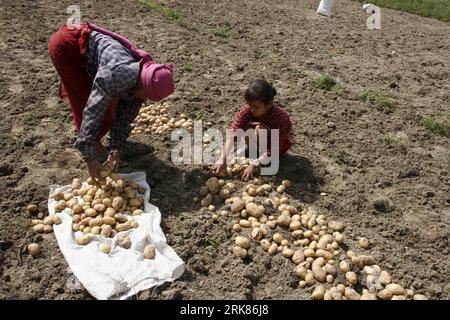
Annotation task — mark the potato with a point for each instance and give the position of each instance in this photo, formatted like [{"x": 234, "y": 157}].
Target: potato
[
  {"x": 225, "y": 193},
  {"x": 287, "y": 252},
  {"x": 236, "y": 227},
  {"x": 245, "y": 223},
  {"x": 87, "y": 230},
  {"x": 99, "y": 207},
  {"x": 301, "y": 271},
  {"x": 76, "y": 184},
  {"x": 273, "y": 249},
  {"x": 330, "y": 269},
  {"x": 106, "y": 248},
  {"x": 58, "y": 195},
  {"x": 204, "y": 191},
  {"x": 60, "y": 206},
  {"x": 329, "y": 278},
  {"x": 316, "y": 267},
  {"x": 117, "y": 203},
  {"x": 124, "y": 242},
  {"x": 318, "y": 293},
  {"x": 284, "y": 242},
  {"x": 325, "y": 254},
  {"x": 324, "y": 241},
  {"x": 90, "y": 212},
  {"x": 149, "y": 251},
  {"x": 239, "y": 252},
  {"x": 336, "y": 226},
  {"x": 95, "y": 222},
  {"x": 32, "y": 208},
  {"x": 85, "y": 221},
  {"x": 313, "y": 245},
  {"x": 338, "y": 237},
  {"x": 120, "y": 218},
  {"x": 271, "y": 224},
  {"x": 242, "y": 242},
  {"x": 213, "y": 185},
  {"x": 409, "y": 293},
  {"x": 385, "y": 294},
  {"x": 396, "y": 289},
  {"x": 211, "y": 208},
  {"x": 33, "y": 249},
  {"x": 123, "y": 226},
  {"x": 109, "y": 221},
  {"x": 136, "y": 202},
  {"x": 298, "y": 257},
  {"x": 309, "y": 253},
  {"x": 351, "y": 277},
  {"x": 56, "y": 219},
  {"x": 309, "y": 279},
  {"x": 351, "y": 294},
  {"x": 265, "y": 244},
  {"x": 281, "y": 189},
  {"x": 95, "y": 230},
  {"x": 368, "y": 296},
  {"x": 256, "y": 234},
  {"x": 48, "y": 220},
  {"x": 36, "y": 222},
  {"x": 106, "y": 230},
  {"x": 328, "y": 295},
  {"x": 277, "y": 238},
  {"x": 420, "y": 297},
  {"x": 84, "y": 239},
  {"x": 363, "y": 243},
  {"x": 109, "y": 212},
  {"x": 284, "y": 220},
  {"x": 134, "y": 224},
  {"x": 77, "y": 208},
  {"x": 295, "y": 225},
  {"x": 75, "y": 227},
  {"x": 385, "y": 278},
  {"x": 255, "y": 210}
]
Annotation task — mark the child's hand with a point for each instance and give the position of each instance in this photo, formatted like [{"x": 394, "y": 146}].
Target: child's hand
[
  {"x": 248, "y": 172},
  {"x": 219, "y": 168}
]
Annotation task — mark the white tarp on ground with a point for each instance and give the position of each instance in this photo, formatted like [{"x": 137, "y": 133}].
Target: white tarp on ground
[{"x": 124, "y": 272}]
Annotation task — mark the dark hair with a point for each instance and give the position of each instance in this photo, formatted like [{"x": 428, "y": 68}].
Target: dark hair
[{"x": 260, "y": 90}]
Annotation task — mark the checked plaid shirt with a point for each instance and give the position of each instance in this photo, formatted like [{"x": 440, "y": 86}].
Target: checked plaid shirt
[
  {"x": 115, "y": 72},
  {"x": 277, "y": 118}
]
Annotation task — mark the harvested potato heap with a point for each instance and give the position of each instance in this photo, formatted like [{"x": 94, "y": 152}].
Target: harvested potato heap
[
  {"x": 264, "y": 215},
  {"x": 102, "y": 210},
  {"x": 156, "y": 119}
]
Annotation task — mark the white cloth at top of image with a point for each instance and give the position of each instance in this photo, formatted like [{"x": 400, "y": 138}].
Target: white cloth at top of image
[
  {"x": 326, "y": 7},
  {"x": 123, "y": 272}
]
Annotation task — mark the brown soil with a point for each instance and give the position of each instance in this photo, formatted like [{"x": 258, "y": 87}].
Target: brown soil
[{"x": 339, "y": 148}]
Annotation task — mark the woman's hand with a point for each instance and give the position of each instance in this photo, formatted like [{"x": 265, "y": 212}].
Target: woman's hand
[
  {"x": 94, "y": 168},
  {"x": 113, "y": 161},
  {"x": 248, "y": 172},
  {"x": 219, "y": 168}
]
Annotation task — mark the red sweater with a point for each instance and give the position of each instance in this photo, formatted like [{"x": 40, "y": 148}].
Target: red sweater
[{"x": 277, "y": 118}]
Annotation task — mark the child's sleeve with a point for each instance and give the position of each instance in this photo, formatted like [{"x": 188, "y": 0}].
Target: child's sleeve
[
  {"x": 241, "y": 119},
  {"x": 285, "y": 125}
]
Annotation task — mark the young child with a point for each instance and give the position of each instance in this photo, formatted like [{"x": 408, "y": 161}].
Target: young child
[{"x": 260, "y": 112}]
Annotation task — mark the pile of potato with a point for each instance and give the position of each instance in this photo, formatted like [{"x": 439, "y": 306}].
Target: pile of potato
[
  {"x": 264, "y": 215},
  {"x": 156, "y": 119}
]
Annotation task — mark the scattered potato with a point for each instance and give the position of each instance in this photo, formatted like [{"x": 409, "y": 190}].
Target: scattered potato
[
  {"x": 124, "y": 242},
  {"x": 33, "y": 249},
  {"x": 149, "y": 251}
]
